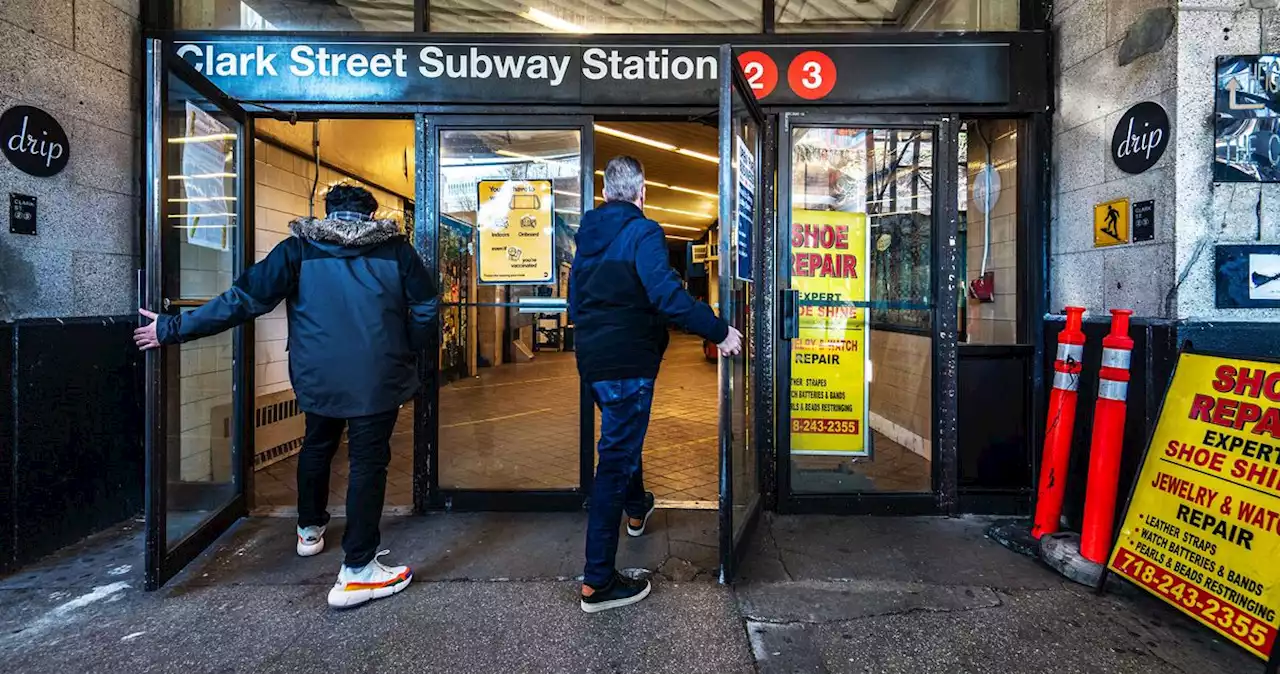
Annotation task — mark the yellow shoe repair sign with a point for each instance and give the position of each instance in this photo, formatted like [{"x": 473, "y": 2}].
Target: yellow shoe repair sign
[{"x": 1202, "y": 531}]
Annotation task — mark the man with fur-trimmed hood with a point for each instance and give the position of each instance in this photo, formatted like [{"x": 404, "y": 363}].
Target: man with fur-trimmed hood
[{"x": 360, "y": 305}]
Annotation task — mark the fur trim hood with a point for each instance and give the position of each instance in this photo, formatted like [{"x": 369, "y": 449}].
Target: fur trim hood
[{"x": 348, "y": 233}]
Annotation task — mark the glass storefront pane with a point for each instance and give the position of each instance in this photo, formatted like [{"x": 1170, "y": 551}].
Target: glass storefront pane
[
  {"x": 509, "y": 388},
  {"x": 595, "y": 16},
  {"x": 349, "y": 15},
  {"x": 990, "y": 232},
  {"x": 861, "y": 384},
  {"x": 806, "y": 16},
  {"x": 200, "y": 225}
]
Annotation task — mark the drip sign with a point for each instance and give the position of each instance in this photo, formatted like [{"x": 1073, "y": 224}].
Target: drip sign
[
  {"x": 1140, "y": 137},
  {"x": 33, "y": 141}
]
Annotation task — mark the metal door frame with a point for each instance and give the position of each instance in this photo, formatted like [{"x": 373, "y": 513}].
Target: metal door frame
[
  {"x": 945, "y": 284},
  {"x": 732, "y": 80},
  {"x": 427, "y": 492},
  {"x": 161, "y": 562}
]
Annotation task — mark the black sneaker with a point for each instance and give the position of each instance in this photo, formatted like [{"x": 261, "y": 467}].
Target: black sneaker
[
  {"x": 644, "y": 521},
  {"x": 621, "y": 591}
]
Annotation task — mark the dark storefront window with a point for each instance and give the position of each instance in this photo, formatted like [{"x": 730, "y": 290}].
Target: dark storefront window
[
  {"x": 595, "y": 16},
  {"x": 350, "y": 15},
  {"x": 815, "y": 16}
]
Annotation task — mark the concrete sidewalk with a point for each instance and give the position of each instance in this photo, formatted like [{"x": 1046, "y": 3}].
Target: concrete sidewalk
[{"x": 496, "y": 593}]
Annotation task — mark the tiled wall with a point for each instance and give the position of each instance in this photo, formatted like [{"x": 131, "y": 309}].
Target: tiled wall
[
  {"x": 902, "y": 388},
  {"x": 994, "y": 322},
  {"x": 78, "y": 61}
]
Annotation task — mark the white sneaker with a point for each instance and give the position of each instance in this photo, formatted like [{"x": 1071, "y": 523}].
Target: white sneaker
[
  {"x": 310, "y": 541},
  {"x": 374, "y": 581}
]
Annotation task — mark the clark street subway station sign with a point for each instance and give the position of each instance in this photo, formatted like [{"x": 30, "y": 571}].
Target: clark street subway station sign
[{"x": 296, "y": 70}]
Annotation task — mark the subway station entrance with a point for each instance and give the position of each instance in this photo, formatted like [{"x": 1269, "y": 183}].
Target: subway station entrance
[{"x": 829, "y": 199}]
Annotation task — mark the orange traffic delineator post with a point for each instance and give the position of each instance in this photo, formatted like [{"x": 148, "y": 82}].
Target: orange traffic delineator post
[
  {"x": 1108, "y": 441},
  {"x": 1061, "y": 423}
]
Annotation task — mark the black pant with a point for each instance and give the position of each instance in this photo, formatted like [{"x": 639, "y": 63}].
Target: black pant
[{"x": 369, "y": 449}]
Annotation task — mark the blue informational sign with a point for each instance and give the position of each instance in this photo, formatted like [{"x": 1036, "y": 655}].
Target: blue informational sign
[
  {"x": 744, "y": 218},
  {"x": 1247, "y": 119}
]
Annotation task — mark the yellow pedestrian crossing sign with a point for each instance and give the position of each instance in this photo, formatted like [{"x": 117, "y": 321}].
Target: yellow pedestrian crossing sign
[{"x": 1111, "y": 223}]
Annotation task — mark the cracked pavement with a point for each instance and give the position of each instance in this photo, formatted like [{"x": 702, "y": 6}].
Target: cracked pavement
[{"x": 495, "y": 592}]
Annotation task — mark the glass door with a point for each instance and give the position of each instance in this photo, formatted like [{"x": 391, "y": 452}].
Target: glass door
[
  {"x": 509, "y": 425},
  {"x": 866, "y": 214},
  {"x": 197, "y": 242},
  {"x": 741, "y": 128}
]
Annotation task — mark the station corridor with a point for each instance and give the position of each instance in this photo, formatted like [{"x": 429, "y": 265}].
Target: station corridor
[{"x": 516, "y": 426}]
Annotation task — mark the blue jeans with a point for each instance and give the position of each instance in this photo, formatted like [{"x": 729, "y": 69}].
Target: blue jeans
[{"x": 624, "y": 419}]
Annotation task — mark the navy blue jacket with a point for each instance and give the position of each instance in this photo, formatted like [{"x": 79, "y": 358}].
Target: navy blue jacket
[
  {"x": 623, "y": 292},
  {"x": 360, "y": 306}
]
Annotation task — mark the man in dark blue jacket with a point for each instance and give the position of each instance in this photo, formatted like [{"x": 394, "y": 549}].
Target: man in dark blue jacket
[
  {"x": 360, "y": 307},
  {"x": 622, "y": 294}
]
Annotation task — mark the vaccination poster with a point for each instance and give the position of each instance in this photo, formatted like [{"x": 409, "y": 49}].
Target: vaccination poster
[
  {"x": 1202, "y": 531},
  {"x": 829, "y": 356},
  {"x": 206, "y": 146},
  {"x": 516, "y": 234}
]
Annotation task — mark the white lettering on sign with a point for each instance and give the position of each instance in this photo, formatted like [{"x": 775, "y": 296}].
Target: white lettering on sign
[
  {"x": 1135, "y": 143},
  {"x": 208, "y": 61},
  {"x": 36, "y": 147},
  {"x": 599, "y": 64},
  {"x": 308, "y": 61},
  {"x": 477, "y": 65},
  {"x": 444, "y": 61}
]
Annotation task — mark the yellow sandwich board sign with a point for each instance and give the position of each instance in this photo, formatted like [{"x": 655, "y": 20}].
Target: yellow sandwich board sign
[{"x": 1202, "y": 529}]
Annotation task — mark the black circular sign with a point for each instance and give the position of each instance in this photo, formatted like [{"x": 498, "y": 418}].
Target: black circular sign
[
  {"x": 1140, "y": 138},
  {"x": 33, "y": 141}
]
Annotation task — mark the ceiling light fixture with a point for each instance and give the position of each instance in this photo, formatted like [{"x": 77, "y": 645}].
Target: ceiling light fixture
[
  {"x": 684, "y": 227},
  {"x": 656, "y": 143},
  {"x": 203, "y": 175},
  {"x": 203, "y": 139},
  {"x": 551, "y": 21},
  {"x": 698, "y": 155},
  {"x": 636, "y": 139},
  {"x": 686, "y": 190}
]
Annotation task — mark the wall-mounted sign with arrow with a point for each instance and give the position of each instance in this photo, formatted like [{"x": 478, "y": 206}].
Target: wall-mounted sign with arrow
[{"x": 1247, "y": 119}]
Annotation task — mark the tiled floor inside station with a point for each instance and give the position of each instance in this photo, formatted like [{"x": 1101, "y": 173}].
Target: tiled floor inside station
[{"x": 517, "y": 427}]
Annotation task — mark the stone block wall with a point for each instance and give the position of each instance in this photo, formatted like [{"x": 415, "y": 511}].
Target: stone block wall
[
  {"x": 1113, "y": 54},
  {"x": 79, "y": 61}
]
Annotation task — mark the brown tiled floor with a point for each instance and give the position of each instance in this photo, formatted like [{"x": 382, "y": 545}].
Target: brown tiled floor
[{"x": 516, "y": 427}]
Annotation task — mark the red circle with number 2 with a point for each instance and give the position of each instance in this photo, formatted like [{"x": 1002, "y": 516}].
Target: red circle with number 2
[
  {"x": 761, "y": 72},
  {"x": 812, "y": 75}
]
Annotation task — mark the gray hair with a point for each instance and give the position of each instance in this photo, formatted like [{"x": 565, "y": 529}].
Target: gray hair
[{"x": 623, "y": 179}]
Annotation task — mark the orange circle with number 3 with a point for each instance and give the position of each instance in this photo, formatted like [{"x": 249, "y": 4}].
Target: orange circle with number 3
[{"x": 812, "y": 75}]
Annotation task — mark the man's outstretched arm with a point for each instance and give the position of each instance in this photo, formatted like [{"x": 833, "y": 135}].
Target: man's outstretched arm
[
  {"x": 258, "y": 290},
  {"x": 665, "y": 291}
]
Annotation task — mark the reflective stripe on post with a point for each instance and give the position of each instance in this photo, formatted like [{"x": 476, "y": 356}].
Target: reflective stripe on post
[
  {"x": 1070, "y": 353},
  {"x": 1066, "y": 381},
  {"x": 1116, "y": 358},
  {"x": 1112, "y": 390},
  {"x": 1107, "y": 444}
]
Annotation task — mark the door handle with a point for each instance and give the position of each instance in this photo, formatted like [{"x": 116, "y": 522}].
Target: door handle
[{"x": 790, "y": 314}]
